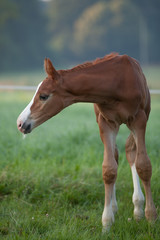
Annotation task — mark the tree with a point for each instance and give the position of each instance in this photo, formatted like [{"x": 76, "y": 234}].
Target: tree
[
  {"x": 149, "y": 12},
  {"x": 62, "y": 16},
  {"x": 74, "y": 31},
  {"x": 87, "y": 29},
  {"x": 8, "y": 12},
  {"x": 25, "y": 36}
]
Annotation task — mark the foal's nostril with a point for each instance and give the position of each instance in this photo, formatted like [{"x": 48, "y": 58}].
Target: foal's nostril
[
  {"x": 28, "y": 128},
  {"x": 24, "y": 127},
  {"x": 19, "y": 124}
]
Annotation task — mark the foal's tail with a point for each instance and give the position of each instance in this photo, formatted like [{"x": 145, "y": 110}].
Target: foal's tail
[{"x": 148, "y": 104}]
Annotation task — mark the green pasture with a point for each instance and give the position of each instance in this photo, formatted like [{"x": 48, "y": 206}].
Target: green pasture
[{"x": 51, "y": 184}]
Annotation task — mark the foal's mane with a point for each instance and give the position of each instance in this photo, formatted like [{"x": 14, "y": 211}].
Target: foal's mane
[{"x": 92, "y": 63}]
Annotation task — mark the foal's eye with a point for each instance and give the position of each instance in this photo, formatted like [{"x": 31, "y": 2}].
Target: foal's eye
[{"x": 43, "y": 97}]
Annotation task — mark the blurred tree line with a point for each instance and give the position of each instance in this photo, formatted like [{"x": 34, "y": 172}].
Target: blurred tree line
[{"x": 71, "y": 31}]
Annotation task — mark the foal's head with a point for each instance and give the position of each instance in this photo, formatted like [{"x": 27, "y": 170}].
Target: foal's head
[{"x": 46, "y": 102}]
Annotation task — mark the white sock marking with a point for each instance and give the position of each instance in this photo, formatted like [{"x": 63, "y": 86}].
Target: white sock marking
[
  {"x": 138, "y": 197},
  {"x": 107, "y": 217}
]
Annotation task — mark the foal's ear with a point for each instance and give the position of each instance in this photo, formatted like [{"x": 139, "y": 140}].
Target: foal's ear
[{"x": 50, "y": 70}]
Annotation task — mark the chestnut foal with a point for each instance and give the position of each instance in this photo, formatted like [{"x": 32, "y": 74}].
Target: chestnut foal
[{"x": 117, "y": 87}]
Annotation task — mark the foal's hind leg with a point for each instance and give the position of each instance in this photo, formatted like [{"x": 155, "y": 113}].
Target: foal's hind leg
[
  {"x": 108, "y": 133},
  {"x": 138, "y": 197},
  {"x": 142, "y": 161}
]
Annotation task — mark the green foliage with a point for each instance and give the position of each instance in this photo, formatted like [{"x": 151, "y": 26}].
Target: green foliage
[
  {"x": 8, "y": 13},
  {"x": 74, "y": 31},
  {"x": 101, "y": 24},
  {"x": 23, "y": 35},
  {"x": 87, "y": 29}
]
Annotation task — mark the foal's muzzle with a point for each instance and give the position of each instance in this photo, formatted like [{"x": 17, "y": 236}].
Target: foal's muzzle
[{"x": 24, "y": 127}]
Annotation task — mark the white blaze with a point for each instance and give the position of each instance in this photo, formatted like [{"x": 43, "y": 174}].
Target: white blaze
[{"x": 27, "y": 111}]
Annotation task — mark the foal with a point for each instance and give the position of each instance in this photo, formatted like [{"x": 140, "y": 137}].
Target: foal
[{"x": 117, "y": 87}]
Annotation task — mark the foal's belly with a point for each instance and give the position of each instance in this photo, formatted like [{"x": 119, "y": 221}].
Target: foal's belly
[{"x": 119, "y": 112}]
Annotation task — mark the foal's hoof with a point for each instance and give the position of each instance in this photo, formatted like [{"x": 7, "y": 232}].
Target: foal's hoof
[
  {"x": 107, "y": 223},
  {"x": 138, "y": 214},
  {"x": 107, "y": 219},
  {"x": 138, "y": 208},
  {"x": 106, "y": 227},
  {"x": 151, "y": 215}
]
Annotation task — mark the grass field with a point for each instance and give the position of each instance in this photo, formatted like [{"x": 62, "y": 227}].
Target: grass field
[{"x": 51, "y": 184}]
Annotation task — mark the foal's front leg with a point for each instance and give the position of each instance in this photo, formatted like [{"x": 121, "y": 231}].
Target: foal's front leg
[{"x": 108, "y": 133}]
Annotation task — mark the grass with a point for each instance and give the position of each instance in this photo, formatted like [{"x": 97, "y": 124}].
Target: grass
[{"x": 51, "y": 182}]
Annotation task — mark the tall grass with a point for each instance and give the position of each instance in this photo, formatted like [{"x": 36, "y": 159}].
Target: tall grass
[{"x": 51, "y": 182}]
